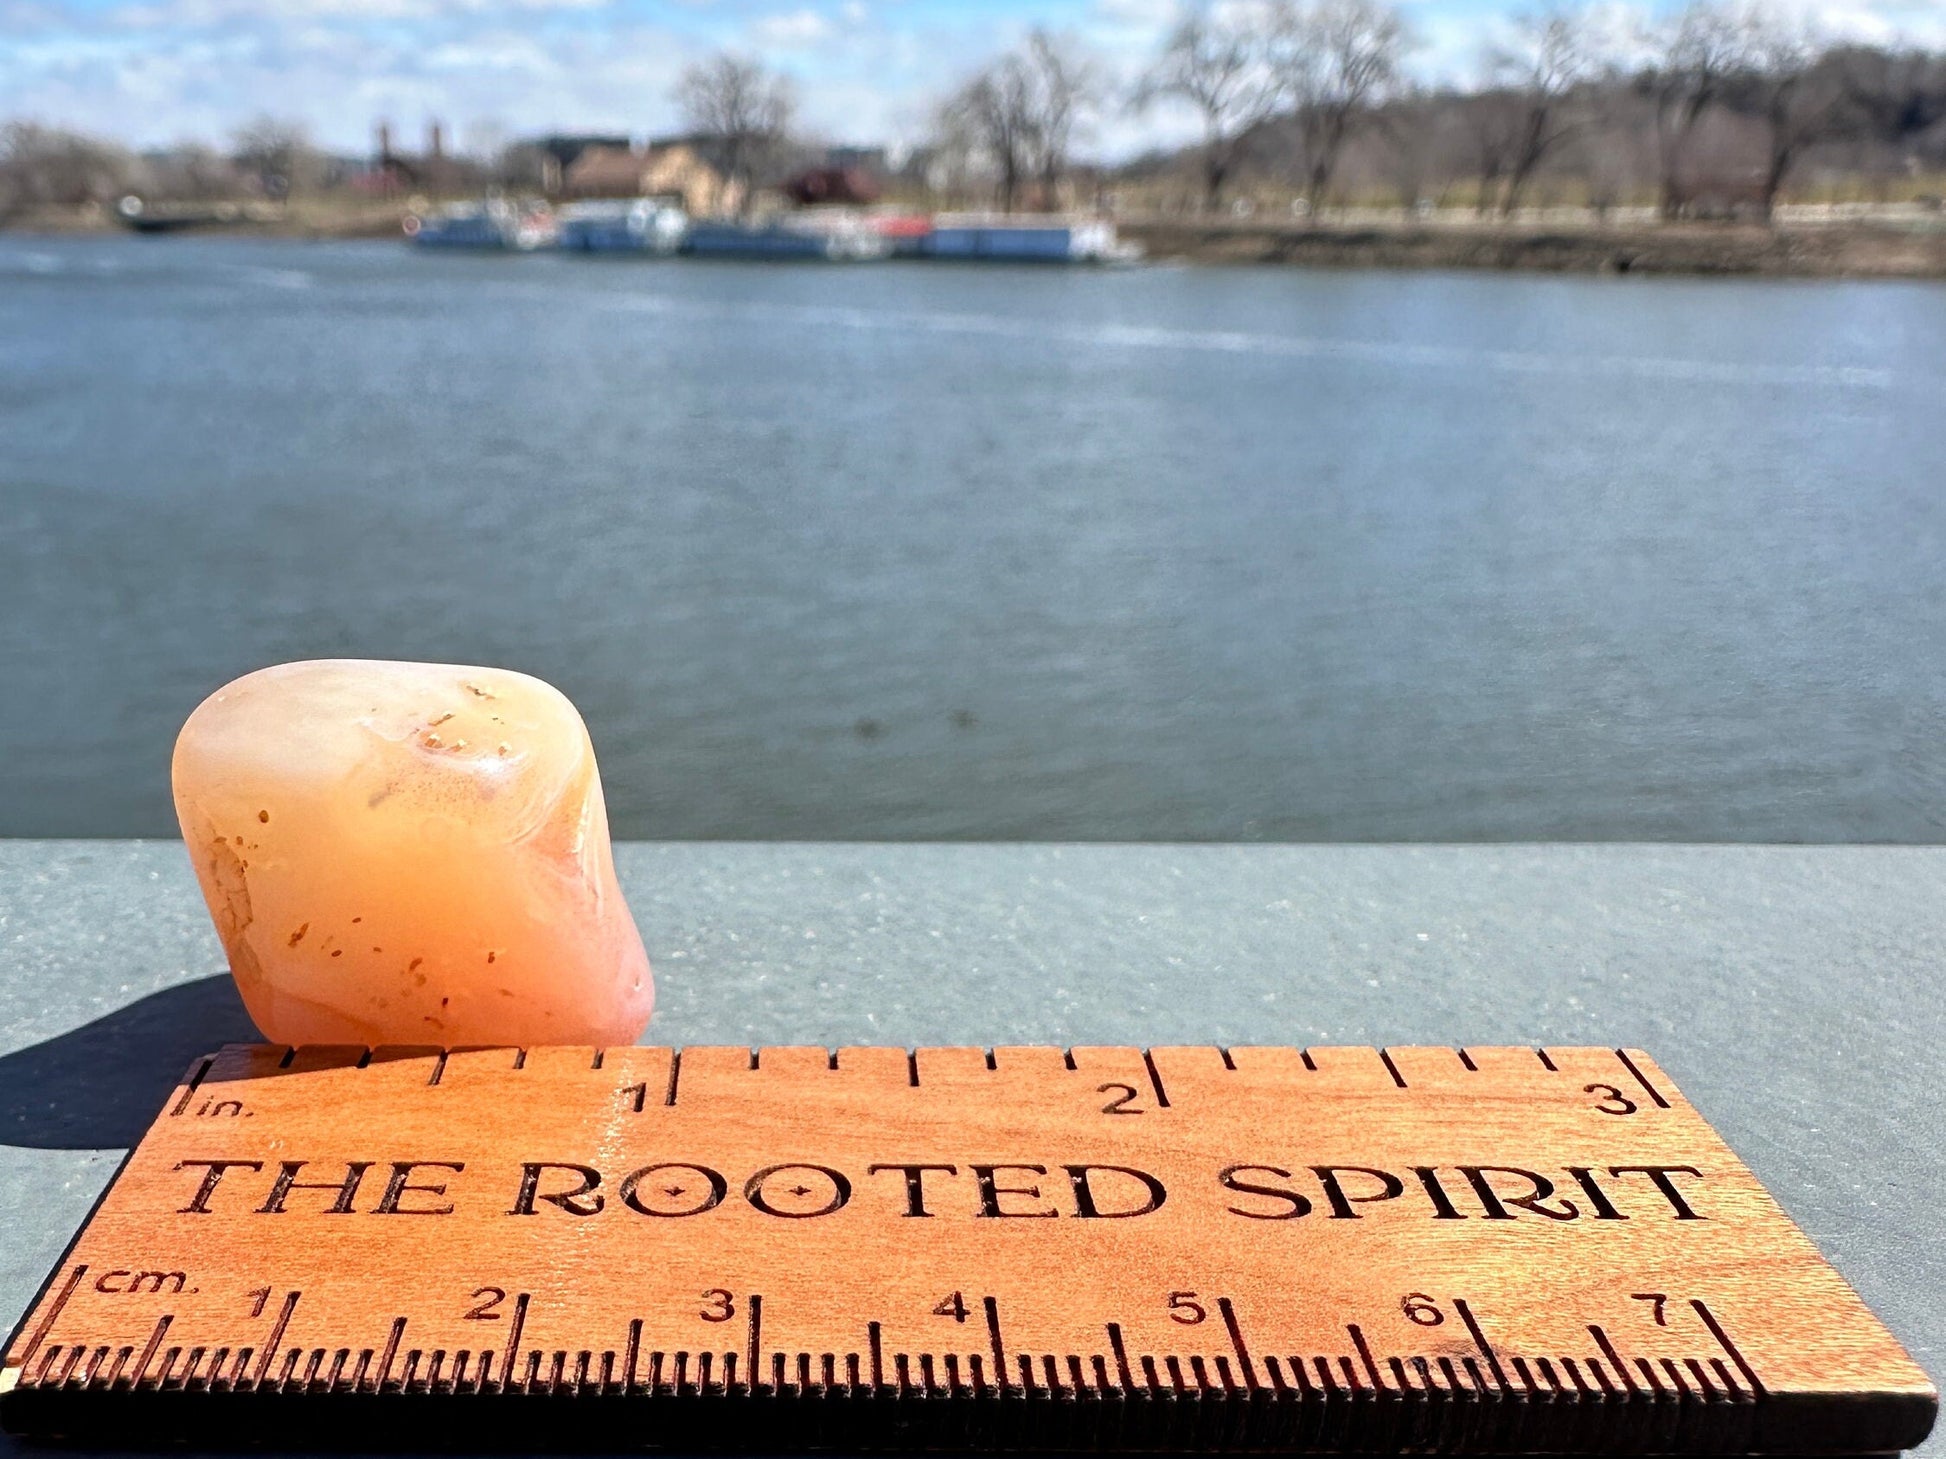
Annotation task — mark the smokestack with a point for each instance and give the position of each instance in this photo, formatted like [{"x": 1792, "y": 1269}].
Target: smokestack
[
  {"x": 435, "y": 140},
  {"x": 384, "y": 141}
]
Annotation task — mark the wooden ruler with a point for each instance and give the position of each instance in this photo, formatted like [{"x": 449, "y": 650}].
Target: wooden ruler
[{"x": 1340, "y": 1249}]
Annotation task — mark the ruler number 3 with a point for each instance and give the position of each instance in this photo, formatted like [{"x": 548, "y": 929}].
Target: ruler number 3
[{"x": 1613, "y": 1101}]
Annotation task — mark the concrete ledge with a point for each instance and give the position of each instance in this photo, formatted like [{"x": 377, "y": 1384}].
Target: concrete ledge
[{"x": 1795, "y": 993}]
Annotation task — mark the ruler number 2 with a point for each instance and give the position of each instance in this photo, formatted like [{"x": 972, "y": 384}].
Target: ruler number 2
[{"x": 1124, "y": 1096}]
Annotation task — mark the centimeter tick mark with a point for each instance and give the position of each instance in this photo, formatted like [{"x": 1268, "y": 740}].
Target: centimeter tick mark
[
  {"x": 1653, "y": 1093},
  {"x": 1229, "y": 1311},
  {"x": 993, "y": 1337},
  {"x": 41, "y": 1328},
  {"x": 1717, "y": 1332},
  {"x": 276, "y": 1337},
  {"x": 1480, "y": 1340},
  {"x": 1385, "y": 1057},
  {"x": 513, "y": 1341},
  {"x": 1155, "y": 1078}
]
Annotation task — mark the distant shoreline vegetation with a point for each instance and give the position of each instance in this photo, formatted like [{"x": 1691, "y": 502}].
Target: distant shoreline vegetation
[{"x": 1310, "y": 123}]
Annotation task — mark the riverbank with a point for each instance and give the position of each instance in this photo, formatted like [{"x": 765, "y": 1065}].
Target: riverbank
[
  {"x": 1890, "y": 243},
  {"x": 1849, "y": 249}
]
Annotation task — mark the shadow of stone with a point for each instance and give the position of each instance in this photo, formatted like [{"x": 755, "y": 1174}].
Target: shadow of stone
[{"x": 100, "y": 1086}]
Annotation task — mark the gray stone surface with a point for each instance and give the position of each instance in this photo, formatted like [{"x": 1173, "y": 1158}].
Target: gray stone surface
[{"x": 1794, "y": 993}]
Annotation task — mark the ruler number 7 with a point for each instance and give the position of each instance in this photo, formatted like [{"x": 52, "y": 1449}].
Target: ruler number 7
[{"x": 1661, "y": 1301}]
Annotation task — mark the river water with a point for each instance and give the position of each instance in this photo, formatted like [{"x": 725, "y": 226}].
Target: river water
[{"x": 899, "y": 551}]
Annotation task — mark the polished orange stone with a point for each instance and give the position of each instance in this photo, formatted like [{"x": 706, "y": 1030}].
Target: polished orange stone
[{"x": 401, "y": 853}]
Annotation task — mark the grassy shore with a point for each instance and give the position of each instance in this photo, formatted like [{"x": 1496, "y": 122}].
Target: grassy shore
[{"x": 1854, "y": 248}]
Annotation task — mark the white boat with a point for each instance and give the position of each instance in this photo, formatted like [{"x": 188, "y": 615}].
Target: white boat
[
  {"x": 639, "y": 225},
  {"x": 491, "y": 224}
]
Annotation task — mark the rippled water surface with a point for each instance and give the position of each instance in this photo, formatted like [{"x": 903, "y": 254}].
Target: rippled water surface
[{"x": 909, "y": 552}]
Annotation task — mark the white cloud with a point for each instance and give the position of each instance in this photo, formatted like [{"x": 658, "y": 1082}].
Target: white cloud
[{"x": 792, "y": 30}]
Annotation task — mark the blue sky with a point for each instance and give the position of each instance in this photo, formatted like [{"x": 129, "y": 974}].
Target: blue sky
[{"x": 155, "y": 71}]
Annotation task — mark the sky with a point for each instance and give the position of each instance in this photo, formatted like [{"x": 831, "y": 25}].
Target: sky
[{"x": 154, "y": 72}]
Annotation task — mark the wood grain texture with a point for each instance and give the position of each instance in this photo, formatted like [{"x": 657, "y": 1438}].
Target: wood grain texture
[{"x": 1330, "y": 1250}]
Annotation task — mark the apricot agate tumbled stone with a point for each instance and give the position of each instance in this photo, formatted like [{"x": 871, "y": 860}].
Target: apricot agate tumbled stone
[{"x": 410, "y": 854}]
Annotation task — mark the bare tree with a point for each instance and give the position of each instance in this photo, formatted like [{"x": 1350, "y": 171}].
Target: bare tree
[
  {"x": 1897, "y": 96},
  {"x": 1064, "y": 88},
  {"x": 276, "y": 153},
  {"x": 48, "y": 167},
  {"x": 1219, "y": 62},
  {"x": 1550, "y": 55},
  {"x": 1492, "y": 123},
  {"x": 1786, "y": 89},
  {"x": 745, "y": 108},
  {"x": 1699, "y": 52},
  {"x": 191, "y": 172},
  {"x": 1017, "y": 118},
  {"x": 987, "y": 124},
  {"x": 1337, "y": 59}
]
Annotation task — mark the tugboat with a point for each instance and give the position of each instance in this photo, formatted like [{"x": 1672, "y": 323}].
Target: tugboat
[
  {"x": 492, "y": 224},
  {"x": 638, "y": 226}
]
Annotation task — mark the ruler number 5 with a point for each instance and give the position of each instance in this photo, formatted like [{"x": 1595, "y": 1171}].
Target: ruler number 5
[
  {"x": 1184, "y": 1307},
  {"x": 1613, "y": 1101}
]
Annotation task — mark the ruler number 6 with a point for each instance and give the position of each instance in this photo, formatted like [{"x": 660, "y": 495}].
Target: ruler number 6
[
  {"x": 1420, "y": 1308},
  {"x": 1613, "y": 1101}
]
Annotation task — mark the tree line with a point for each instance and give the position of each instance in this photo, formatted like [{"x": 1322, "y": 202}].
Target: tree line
[{"x": 1712, "y": 109}]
